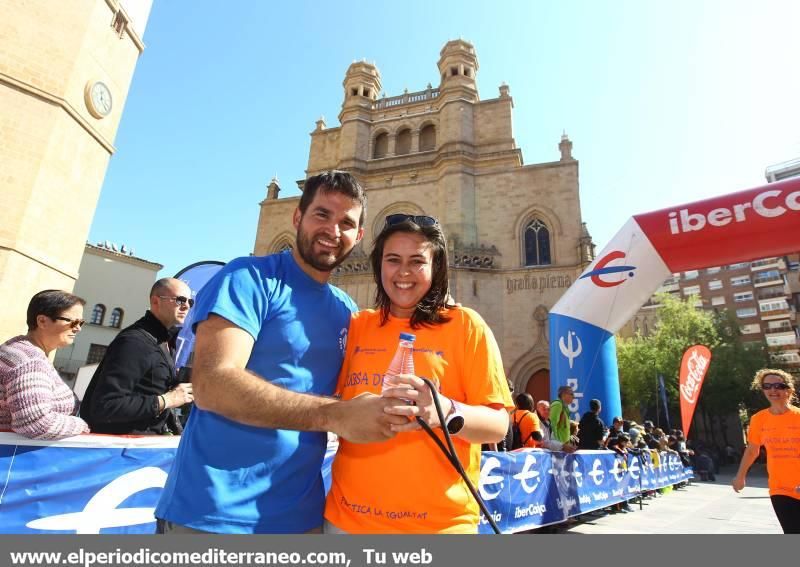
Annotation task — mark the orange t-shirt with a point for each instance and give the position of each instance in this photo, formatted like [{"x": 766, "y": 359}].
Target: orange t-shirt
[
  {"x": 528, "y": 424},
  {"x": 780, "y": 434},
  {"x": 406, "y": 484}
]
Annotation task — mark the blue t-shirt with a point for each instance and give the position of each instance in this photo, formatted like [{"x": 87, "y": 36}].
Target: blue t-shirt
[{"x": 233, "y": 478}]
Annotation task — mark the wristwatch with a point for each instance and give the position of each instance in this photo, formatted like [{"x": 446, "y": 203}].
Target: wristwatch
[{"x": 454, "y": 421}]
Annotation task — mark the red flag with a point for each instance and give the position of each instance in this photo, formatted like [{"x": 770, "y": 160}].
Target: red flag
[{"x": 693, "y": 369}]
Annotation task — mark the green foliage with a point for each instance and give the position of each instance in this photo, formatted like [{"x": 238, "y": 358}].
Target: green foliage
[
  {"x": 733, "y": 365},
  {"x": 681, "y": 325}
]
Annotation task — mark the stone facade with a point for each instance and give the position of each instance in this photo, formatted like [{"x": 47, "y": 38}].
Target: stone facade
[
  {"x": 444, "y": 152},
  {"x": 53, "y": 150}
]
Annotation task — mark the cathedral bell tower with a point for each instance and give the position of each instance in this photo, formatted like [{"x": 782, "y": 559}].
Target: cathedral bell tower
[
  {"x": 362, "y": 83},
  {"x": 457, "y": 100}
]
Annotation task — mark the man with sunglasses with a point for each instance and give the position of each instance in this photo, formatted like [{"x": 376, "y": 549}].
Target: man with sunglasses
[{"x": 135, "y": 388}]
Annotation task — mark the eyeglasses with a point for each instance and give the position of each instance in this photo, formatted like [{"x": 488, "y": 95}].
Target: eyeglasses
[
  {"x": 74, "y": 323},
  {"x": 419, "y": 220},
  {"x": 179, "y": 300},
  {"x": 775, "y": 386}
]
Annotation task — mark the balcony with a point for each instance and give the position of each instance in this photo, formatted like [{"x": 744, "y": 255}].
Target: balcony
[
  {"x": 771, "y": 293},
  {"x": 776, "y": 314},
  {"x": 781, "y": 329},
  {"x": 768, "y": 280},
  {"x": 767, "y": 263},
  {"x": 405, "y": 98},
  {"x": 791, "y": 359}
]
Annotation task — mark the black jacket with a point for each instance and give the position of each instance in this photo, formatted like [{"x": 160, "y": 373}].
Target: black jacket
[
  {"x": 591, "y": 431},
  {"x": 122, "y": 397}
]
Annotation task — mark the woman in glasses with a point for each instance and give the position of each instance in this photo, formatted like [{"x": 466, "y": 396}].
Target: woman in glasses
[
  {"x": 34, "y": 401},
  {"x": 407, "y": 484},
  {"x": 777, "y": 428}
]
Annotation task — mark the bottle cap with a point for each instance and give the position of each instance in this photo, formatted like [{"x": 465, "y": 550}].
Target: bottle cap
[{"x": 408, "y": 337}]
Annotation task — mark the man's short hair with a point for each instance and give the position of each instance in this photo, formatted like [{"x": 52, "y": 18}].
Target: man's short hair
[
  {"x": 564, "y": 390},
  {"x": 594, "y": 404},
  {"x": 160, "y": 287},
  {"x": 617, "y": 419},
  {"x": 50, "y": 303},
  {"x": 334, "y": 181}
]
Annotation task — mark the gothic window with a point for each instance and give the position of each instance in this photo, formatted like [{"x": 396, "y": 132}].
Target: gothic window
[
  {"x": 537, "y": 244},
  {"x": 98, "y": 314},
  {"x": 427, "y": 138},
  {"x": 403, "y": 144},
  {"x": 381, "y": 147},
  {"x": 116, "y": 318}
]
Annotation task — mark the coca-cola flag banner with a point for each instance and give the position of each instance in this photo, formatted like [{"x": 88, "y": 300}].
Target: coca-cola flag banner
[{"x": 694, "y": 366}]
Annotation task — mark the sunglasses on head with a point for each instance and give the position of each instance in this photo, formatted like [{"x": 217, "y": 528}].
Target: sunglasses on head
[
  {"x": 74, "y": 323},
  {"x": 775, "y": 386},
  {"x": 179, "y": 300},
  {"x": 419, "y": 220}
]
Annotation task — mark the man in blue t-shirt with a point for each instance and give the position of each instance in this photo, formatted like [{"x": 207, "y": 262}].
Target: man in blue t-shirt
[{"x": 271, "y": 335}]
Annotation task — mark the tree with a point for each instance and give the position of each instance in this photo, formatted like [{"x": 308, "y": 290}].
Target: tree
[
  {"x": 642, "y": 359},
  {"x": 726, "y": 388},
  {"x": 635, "y": 362}
]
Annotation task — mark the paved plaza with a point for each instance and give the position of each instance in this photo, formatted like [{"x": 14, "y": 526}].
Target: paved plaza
[{"x": 700, "y": 508}]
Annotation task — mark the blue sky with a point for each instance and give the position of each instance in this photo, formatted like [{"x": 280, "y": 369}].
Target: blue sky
[{"x": 665, "y": 102}]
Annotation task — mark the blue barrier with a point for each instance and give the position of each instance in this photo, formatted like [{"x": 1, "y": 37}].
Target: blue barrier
[{"x": 107, "y": 484}]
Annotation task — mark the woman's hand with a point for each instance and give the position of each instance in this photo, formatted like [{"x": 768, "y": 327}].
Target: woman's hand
[{"x": 409, "y": 388}]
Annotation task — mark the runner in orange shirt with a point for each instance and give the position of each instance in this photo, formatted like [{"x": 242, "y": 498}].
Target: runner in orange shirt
[
  {"x": 778, "y": 429},
  {"x": 406, "y": 484}
]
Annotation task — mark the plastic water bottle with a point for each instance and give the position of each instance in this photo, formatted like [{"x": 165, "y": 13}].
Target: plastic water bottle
[{"x": 403, "y": 361}]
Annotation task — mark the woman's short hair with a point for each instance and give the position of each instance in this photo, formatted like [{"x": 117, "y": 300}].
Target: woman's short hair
[
  {"x": 788, "y": 379},
  {"x": 429, "y": 309},
  {"x": 524, "y": 401},
  {"x": 50, "y": 303}
]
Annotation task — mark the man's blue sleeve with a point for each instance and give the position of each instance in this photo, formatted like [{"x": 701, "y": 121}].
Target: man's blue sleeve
[{"x": 238, "y": 293}]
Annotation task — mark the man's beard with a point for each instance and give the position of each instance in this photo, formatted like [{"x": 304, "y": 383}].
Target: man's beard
[{"x": 324, "y": 262}]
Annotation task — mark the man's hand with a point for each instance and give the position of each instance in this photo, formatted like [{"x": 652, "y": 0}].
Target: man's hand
[
  {"x": 363, "y": 420},
  {"x": 180, "y": 395},
  {"x": 409, "y": 388},
  {"x": 569, "y": 448},
  {"x": 737, "y": 483}
]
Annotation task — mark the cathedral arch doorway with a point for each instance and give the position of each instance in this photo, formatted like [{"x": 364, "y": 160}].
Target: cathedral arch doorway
[{"x": 538, "y": 385}]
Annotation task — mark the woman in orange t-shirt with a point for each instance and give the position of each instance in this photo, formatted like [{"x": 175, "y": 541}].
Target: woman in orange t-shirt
[
  {"x": 778, "y": 429},
  {"x": 406, "y": 484}
]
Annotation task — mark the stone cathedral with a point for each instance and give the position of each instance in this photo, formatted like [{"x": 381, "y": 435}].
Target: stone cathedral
[{"x": 515, "y": 234}]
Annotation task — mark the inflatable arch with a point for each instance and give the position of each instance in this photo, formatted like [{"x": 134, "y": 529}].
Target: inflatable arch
[{"x": 738, "y": 227}]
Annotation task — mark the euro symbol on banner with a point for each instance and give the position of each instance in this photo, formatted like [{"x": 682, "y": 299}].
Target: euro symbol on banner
[
  {"x": 633, "y": 469},
  {"x": 101, "y": 511},
  {"x": 577, "y": 474},
  {"x": 488, "y": 479},
  {"x": 567, "y": 348},
  {"x": 597, "y": 472},
  {"x": 618, "y": 471},
  {"x": 528, "y": 473}
]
